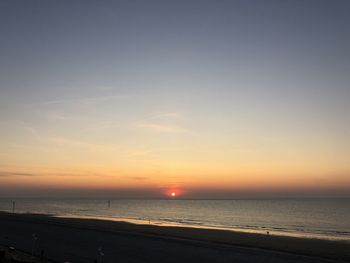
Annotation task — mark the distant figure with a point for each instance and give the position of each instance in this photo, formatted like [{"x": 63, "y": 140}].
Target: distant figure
[
  {"x": 13, "y": 206},
  {"x": 267, "y": 232},
  {"x": 109, "y": 203}
]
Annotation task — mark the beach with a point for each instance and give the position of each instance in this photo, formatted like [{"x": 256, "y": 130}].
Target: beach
[{"x": 86, "y": 240}]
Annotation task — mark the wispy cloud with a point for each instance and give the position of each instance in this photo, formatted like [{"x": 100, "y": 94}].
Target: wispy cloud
[
  {"x": 61, "y": 141},
  {"x": 137, "y": 178},
  {"x": 161, "y": 128},
  {"x": 168, "y": 122},
  {"x": 62, "y": 117},
  {"x": 139, "y": 153},
  {"x": 8, "y": 174},
  {"x": 86, "y": 99},
  {"x": 52, "y": 173},
  {"x": 168, "y": 115},
  {"x": 32, "y": 131}
]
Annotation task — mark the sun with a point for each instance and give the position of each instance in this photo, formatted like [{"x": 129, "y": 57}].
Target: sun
[{"x": 173, "y": 193}]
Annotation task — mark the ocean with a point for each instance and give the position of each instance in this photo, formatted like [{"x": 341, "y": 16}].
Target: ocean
[{"x": 312, "y": 218}]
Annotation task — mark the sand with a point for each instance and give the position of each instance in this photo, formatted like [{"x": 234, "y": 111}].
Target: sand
[
  {"x": 11, "y": 255},
  {"x": 86, "y": 240}
]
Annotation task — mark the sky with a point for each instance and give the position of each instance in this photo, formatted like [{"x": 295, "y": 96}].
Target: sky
[{"x": 205, "y": 98}]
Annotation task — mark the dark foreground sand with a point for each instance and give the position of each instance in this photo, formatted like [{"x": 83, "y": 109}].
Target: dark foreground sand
[
  {"x": 79, "y": 240},
  {"x": 12, "y": 255}
]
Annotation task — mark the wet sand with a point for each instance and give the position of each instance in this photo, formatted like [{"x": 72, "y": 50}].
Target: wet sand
[{"x": 84, "y": 240}]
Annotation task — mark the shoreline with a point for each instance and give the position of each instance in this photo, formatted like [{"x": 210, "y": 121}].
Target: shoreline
[
  {"x": 316, "y": 248},
  {"x": 331, "y": 236},
  {"x": 328, "y": 221},
  {"x": 272, "y": 232}
]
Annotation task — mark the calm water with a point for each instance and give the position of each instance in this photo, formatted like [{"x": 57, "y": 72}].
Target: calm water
[{"x": 321, "y": 218}]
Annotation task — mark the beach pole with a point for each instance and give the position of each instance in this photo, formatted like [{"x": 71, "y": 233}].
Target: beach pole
[
  {"x": 101, "y": 254},
  {"x": 13, "y": 206},
  {"x": 33, "y": 243}
]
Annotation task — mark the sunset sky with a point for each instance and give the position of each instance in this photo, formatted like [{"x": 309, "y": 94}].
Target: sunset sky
[{"x": 143, "y": 98}]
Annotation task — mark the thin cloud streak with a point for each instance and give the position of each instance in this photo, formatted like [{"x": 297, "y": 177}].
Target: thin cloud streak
[
  {"x": 61, "y": 117},
  {"x": 56, "y": 174},
  {"x": 9, "y": 174},
  {"x": 137, "y": 178},
  {"x": 163, "y": 123},
  {"x": 161, "y": 128},
  {"x": 86, "y": 100},
  {"x": 169, "y": 115}
]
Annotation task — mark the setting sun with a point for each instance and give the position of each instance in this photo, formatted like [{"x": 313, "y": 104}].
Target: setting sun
[{"x": 173, "y": 194}]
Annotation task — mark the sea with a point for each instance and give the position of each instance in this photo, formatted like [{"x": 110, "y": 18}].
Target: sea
[{"x": 310, "y": 218}]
